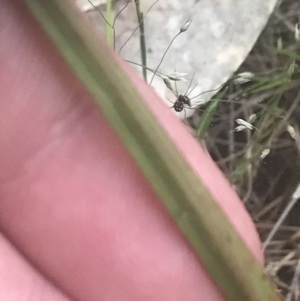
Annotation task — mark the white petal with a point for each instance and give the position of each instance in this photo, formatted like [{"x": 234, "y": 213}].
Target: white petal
[
  {"x": 297, "y": 33},
  {"x": 244, "y": 123},
  {"x": 265, "y": 153},
  {"x": 240, "y": 128},
  {"x": 186, "y": 25}
]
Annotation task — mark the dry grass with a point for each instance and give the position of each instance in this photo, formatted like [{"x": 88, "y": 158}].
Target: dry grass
[{"x": 268, "y": 185}]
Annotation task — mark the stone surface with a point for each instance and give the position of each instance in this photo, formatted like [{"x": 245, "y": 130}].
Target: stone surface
[{"x": 221, "y": 35}]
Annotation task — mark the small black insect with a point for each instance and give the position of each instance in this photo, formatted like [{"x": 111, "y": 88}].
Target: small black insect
[
  {"x": 184, "y": 101},
  {"x": 181, "y": 102}
]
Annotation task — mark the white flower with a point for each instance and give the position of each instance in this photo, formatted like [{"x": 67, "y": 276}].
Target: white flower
[
  {"x": 297, "y": 34},
  {"x": 244, "y": 123},
  {"x": 168, "y": 83},
  {"x": 239, "y": 128},
  {"x": 243, "y": 77},
  {"x": 265, "y": 153},
  {"x": 291, "y": 130},
  {"x": 252, "y": 118},
  {"x": 186, "y": 25},
  {"x": 177, "y": 76}
]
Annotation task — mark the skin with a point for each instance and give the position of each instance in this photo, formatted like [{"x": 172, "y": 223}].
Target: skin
[{"x": 78, "y": 220}]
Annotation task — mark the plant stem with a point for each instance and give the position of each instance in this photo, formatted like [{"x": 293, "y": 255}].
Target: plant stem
[
  {"x": 140, "y": 17},
  {"x": 108, "y": 17}
]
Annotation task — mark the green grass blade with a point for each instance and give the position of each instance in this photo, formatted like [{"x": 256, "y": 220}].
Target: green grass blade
[
  {"x": 265, "y": 84},
  {"x": 220, "y": 249},
  {"x": 108, "y": 17},
  {"x": 140, "y": 18},
  {"x": 208, "y": 114},
  {"x": 292, "y": 54}
]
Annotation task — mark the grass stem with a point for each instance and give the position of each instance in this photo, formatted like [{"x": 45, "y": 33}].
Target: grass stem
[{"x": 142, "y": 38}]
